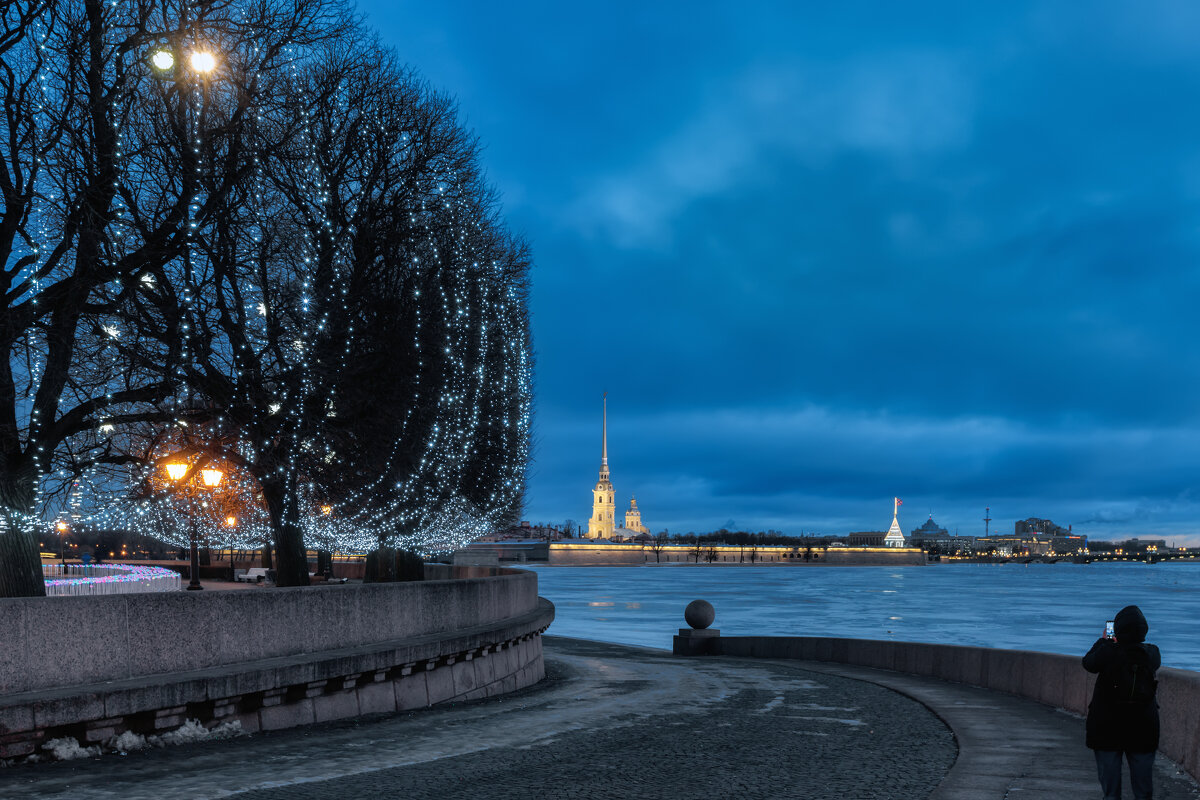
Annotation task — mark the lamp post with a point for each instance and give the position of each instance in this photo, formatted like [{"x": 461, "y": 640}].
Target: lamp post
[
  {"x": 210, "y": 478},
  {"x": 231, "y": 523},
  {"x": 61, "y": 527},
  {"x": 201, "y": 63}
]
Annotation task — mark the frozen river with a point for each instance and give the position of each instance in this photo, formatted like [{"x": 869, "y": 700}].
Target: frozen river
[{"x": 1058, "y": 608}]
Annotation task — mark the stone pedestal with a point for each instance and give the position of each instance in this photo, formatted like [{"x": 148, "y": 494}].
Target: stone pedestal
[{"x": 696, "y": 642}]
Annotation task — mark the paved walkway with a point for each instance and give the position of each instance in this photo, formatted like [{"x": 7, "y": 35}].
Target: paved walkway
[
  {"x": 1010, "y": 747},
  {"x": 622, "y": 722}
]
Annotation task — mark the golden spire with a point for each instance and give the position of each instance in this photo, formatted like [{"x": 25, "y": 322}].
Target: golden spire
[{"x": 604, "y": 447}]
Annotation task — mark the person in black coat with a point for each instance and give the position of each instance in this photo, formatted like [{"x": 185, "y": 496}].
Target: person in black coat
[{"x": 1122, "y": 719}]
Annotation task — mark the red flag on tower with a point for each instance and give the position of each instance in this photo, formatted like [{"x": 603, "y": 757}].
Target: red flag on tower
[{"x": 899, "y": 502}]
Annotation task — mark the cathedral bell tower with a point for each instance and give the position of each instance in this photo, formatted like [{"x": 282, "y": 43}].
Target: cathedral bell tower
[{"x": 600, "y": 526}]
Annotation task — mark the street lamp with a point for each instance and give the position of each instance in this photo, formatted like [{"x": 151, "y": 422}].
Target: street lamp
[
  {"x": 211, "y": 479},
  {"x": 61, "y": 526},
  {"x": 200, "y": 61},
  {"x": 163, "y": 59},
  {"x": 203, "y": 61}
]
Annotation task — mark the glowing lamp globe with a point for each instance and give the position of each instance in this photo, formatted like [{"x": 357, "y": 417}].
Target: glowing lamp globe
[
  {"x": 176, "y": 471},
  {"x": 62, "y": 526},
  {"x": 163, "y": 59},
  {"x": 203, "y": 62},
  {"x": 211, "y": 477}
]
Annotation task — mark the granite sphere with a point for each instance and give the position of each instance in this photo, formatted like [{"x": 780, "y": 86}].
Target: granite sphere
[{"x": 699, "y": 614}]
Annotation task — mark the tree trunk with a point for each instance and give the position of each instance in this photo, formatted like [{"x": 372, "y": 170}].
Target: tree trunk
[
  {"x": 266, "y": 557},
  {"x": 20, "y": 564},
  {"x": 291, "y": 559},
  {"x": 20, "y": 556}
]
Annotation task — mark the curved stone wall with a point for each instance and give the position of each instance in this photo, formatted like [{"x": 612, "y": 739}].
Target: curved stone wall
[
  {"x": 269, "y": 658},
  {"x": 54, "y": 642},
  {"x": 1050, "y": 678}
]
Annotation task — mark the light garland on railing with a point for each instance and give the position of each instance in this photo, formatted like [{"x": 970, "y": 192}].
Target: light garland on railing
[{"x": 95, "y": 579}]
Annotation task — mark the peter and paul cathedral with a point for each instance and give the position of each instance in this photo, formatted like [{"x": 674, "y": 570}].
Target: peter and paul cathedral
[{"x": 602, "y": 524}]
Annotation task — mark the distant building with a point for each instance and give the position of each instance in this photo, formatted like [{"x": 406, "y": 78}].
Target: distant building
[
  {"x": 602, "y": 524},
  {"x": 526, "y": 531},
  {"x": 1032, "y": 545},
  {"x": 933, "y": 538},
  {"x": 1039, "y": 527},
  {"x": 1136, "y": 545},
  {"x": 998, "y": 545},
  {"x": 633, "y": 518},
  {"x": 930, "y": 530},
  {"x": 865, "y": 539}
]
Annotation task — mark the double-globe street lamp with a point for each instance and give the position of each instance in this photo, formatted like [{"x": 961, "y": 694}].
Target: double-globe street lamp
[
  {"x": 202, "y": 63},
  {"x": 210, "y": 478}
]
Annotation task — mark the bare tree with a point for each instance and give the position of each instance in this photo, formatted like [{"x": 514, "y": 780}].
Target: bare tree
[
  {"x": 657, "y": 545},
  {"x": 104, "y": 187},
  {"x": 362, "y": 330},
  {"x": 288, "y": 262}
]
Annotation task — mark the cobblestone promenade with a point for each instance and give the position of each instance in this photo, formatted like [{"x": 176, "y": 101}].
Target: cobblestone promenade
[{"x": 618, "y": 722}]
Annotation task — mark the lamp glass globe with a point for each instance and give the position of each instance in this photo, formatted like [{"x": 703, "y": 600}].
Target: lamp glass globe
[{"x": 203, "y": 62}]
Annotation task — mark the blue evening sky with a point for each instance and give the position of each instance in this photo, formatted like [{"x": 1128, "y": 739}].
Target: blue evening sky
[{"x": 824, "y": 253}]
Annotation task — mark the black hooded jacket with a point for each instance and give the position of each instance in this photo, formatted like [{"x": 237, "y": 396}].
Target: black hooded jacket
[{"x": 1114, "y": 723}]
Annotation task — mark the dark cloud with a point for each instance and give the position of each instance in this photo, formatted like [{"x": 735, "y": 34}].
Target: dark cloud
[{"x": 824, "y": 254}]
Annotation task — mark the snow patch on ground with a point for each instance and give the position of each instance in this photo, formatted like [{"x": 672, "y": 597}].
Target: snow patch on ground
[
  {"x": 192, "y": 731},
  {"x": 67, "y": 748},
  {"x": 127, "y": 742}
]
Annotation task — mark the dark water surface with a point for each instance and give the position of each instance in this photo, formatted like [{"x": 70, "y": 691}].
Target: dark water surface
[{"x": 1059, "y": 608}]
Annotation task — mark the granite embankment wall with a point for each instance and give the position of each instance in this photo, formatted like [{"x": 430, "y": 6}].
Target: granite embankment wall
[
  {"x": 93, "y": 667},
  {"x": 1050, "y": 678}
]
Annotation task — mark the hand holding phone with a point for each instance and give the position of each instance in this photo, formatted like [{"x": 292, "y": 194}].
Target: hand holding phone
[{"x": 1109, "y": 631}]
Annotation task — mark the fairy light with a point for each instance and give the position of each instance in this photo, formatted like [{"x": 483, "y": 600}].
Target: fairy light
[{"x": 446, "y": 476}]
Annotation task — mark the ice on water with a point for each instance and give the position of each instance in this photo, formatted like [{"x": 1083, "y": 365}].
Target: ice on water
[{"x": 1058, "y": 608}]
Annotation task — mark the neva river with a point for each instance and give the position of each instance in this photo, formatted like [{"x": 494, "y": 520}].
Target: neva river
[{"x": 1059, "y": 608}]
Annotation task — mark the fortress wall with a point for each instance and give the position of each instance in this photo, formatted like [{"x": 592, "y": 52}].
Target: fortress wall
[
  {"x": 794, "y": 556},
  {"x": 595, "y": 555}
]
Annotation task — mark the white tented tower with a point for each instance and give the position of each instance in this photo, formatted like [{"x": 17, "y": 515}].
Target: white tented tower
[{"x": 895, "y": 537}]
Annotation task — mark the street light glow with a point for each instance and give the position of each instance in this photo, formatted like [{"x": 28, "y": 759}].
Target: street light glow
[
  {"x": 176, "y": 471},
  {"x": 163, "y": 59},
  {"x": 211, "y": 477},
  {"x": 203, "y": 62}
]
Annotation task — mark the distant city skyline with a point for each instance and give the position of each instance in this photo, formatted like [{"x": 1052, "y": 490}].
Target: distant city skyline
[{"x": 825, "y": 254}]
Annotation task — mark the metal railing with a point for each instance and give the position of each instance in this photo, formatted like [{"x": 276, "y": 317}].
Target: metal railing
[{"x": 71, "y": 580}]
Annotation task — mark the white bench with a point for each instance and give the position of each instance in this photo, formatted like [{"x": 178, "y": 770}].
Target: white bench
[{"x": 253, "y": 575}]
